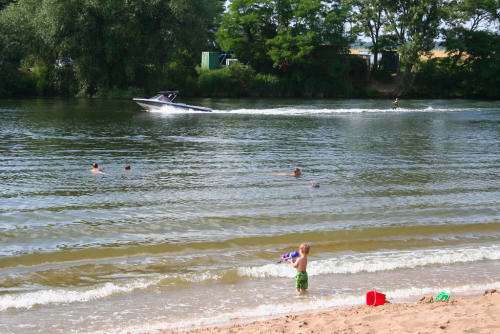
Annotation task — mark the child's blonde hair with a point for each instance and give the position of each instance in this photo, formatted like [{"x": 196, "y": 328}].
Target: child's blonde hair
[{"x": 305, "y": 248}]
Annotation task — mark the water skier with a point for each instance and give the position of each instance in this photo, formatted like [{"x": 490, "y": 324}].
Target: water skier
[{"x": 396, "y": 103}]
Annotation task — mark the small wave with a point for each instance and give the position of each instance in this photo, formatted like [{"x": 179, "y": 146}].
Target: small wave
[
  {"x": 379, "y": 261},
  {"x": 351, "y": 263},
  {"x": 292, "y": 111},
  {"x": 56, "y": 296},
  {"x": 306, "y": 110},
  {"x": 295, "y": 111},
  {"x": 28, "y": 300},
  {"x": 301, "y": 305}
]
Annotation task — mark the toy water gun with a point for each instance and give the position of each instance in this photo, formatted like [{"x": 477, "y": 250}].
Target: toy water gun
[{"x": 288, "y": 256}]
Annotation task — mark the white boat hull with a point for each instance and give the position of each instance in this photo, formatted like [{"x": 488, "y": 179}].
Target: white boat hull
[{"x": 150, "y": 104}]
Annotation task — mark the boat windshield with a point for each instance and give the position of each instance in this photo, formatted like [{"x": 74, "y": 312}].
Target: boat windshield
[{"x": 159, "y": 97}]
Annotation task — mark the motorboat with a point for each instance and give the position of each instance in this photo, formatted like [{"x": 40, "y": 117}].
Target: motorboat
[{"x": 166, "y": 98}]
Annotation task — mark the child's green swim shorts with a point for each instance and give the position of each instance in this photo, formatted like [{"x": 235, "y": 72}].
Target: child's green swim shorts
[{"x": 301, "y": 281}]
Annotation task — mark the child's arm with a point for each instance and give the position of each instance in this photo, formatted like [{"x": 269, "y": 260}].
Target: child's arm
[{"x": 295, "y": 262}]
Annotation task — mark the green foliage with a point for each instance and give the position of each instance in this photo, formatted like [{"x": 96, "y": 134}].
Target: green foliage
[
  {"x": 124, "y": 48},
  {"x": 14, "y": 81},
  {"x": 276, "y": 34},
  {"x": 237, "y": 80},
  {"x": 44, "y": 83},
  {"x": 36, "y": 78},
  {"x": 294, "y": 45},
  {"x": 382, "y": 76},
  {"x": 372, "y": 93},
  {"x": 476, "y": 74},
  {"x": 229, "y": 81},
  {"x": 5, "y": 3},
  {"x": 246, "y": 27},
  {"x": 120, "y": 93},
  {"x": 369, "y": 20},
  {"x": 64, "y": 82},
  {"x": 415, "y": 24},
  {"x": 268, "y": 85},
  {"x": 111, "y": 42}
]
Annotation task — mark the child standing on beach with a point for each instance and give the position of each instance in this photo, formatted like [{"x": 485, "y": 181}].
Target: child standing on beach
[{"x": 301, "y": 281}]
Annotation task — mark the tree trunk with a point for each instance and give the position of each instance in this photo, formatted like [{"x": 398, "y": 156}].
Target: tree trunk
[{"x": 408, "y": 68}]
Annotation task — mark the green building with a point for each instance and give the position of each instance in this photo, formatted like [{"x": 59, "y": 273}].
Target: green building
[{"x": 210, "y": 60}]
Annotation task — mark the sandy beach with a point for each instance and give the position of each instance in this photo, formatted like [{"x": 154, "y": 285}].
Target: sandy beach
[{"x": 479, "y": 314}]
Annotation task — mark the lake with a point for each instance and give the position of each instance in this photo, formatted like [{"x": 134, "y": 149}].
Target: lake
[{"x": 408, "y": 204}]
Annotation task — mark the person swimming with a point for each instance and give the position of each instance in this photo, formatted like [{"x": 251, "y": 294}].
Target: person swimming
[
  {"x": 296, "y": 172},
  {"x": 95, "y": 168}
]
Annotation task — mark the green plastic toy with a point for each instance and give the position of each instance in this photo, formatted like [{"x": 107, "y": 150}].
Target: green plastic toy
[{"x": 443, "y": 296}]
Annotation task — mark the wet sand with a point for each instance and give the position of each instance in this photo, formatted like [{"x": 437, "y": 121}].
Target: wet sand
[{"x": 479, "y": 314}]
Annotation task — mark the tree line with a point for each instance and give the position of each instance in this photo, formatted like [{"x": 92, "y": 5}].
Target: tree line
[{"x": 285, "y": 47}]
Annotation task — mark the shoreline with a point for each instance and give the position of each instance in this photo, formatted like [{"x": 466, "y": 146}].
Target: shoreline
[{"x": 467, "y": 312}]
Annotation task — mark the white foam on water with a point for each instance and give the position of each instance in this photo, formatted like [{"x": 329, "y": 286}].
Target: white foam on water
[
  {"x": 28, "y": 300},
  {"x": 43, "y": 297},
  {"x": 294, "y": 110},
  {"x": 301, "y": 304},
  {"x": 379, "y": 261},
  {"x": 297, "y": 111},
  {"x": 200, "y": 277},
  {"x": 345, "y": 264}
]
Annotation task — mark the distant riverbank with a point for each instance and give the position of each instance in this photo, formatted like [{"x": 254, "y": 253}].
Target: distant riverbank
[{"x": 432, "y": 80}]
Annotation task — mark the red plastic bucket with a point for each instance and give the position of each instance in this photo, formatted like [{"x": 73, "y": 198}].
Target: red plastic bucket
[{"x": 374, "y": 298}]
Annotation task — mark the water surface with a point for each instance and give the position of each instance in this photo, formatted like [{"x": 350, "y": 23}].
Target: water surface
[{"x": 407, "y": 204}]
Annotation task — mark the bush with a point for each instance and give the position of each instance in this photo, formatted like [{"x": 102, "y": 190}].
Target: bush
[
  {"x": 44, "y": 80},
  {"x": 64, "y": 81},
  {"x": 117, "y": 93},
  {"x": 267, "y": 85},
  {"x": 16, "y": 82},
  {"x": 232, "y": 80},
  {"x": 383, "y": 76},
  {"x": 372, "y": 92}
]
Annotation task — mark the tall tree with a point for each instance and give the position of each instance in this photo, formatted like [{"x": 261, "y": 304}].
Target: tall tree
[
  {"x": 370, "y": 20},
  {"x": 5, "y": 3},
  {"x": 246, "y": 27},
  {"x": 415, "y": 24},
  {"x": 110, "y": 41},
  {"x": 274, "y": 34},
  {"x": 478, "y": 70},
  {"x": 18, "y": 33},
  {"x": 466, "y": 17}
]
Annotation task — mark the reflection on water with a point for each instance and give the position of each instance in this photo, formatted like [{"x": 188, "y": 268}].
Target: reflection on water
[{"x": 199, "y": 223}]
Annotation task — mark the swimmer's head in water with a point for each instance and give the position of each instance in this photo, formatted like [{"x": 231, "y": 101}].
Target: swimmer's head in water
[
  {"x": 297, "y": 171},
  {"x": 127, "y": 167},
  {"x": 95, "y": 165},
  {"x": 314, "y": 185}
]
